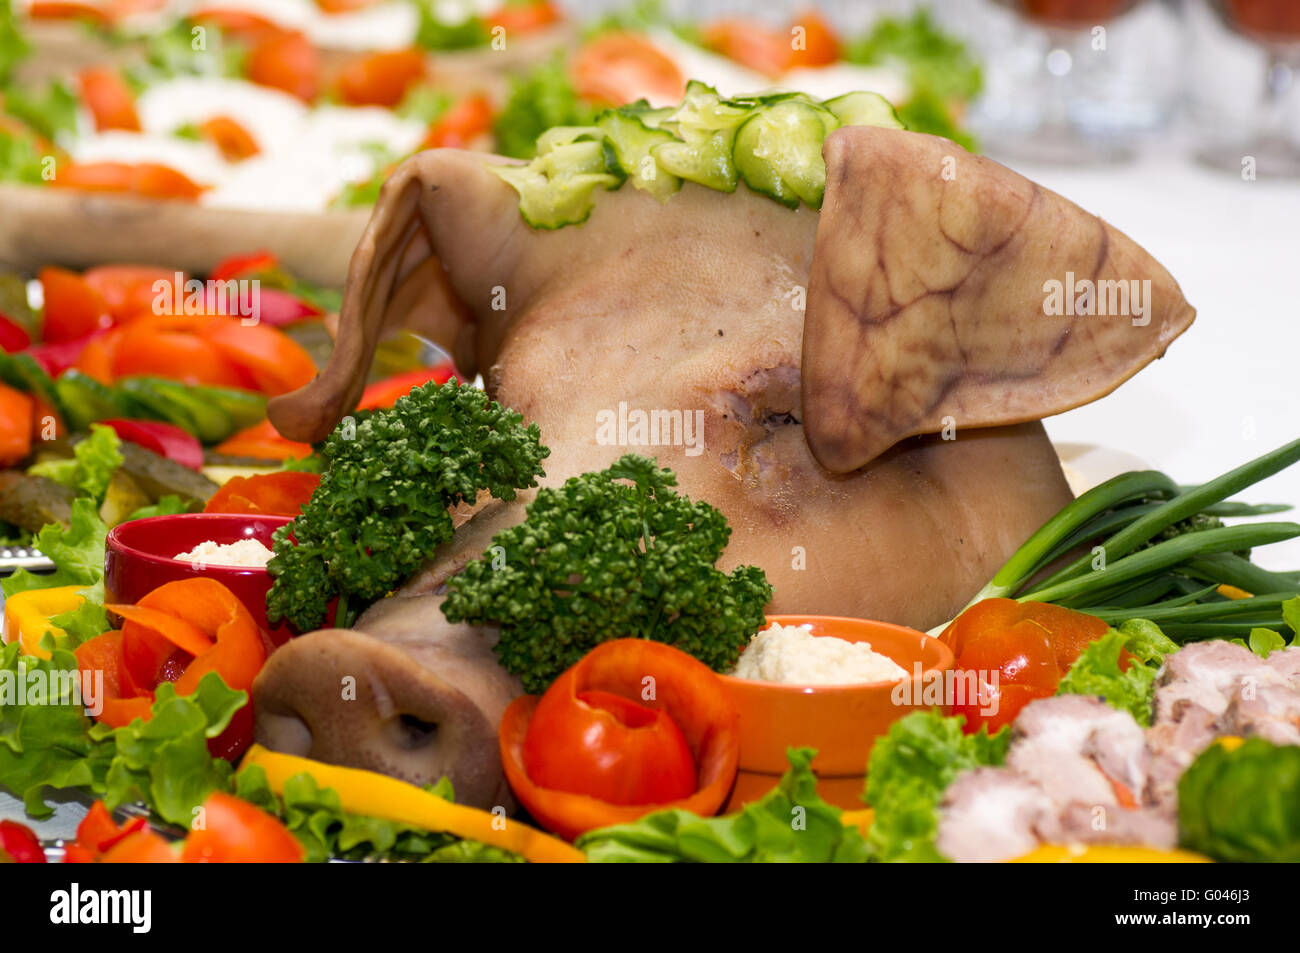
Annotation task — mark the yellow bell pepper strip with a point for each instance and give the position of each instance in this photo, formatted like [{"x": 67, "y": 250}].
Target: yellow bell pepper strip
[
  {"x": 376, "y": 795},
  {"x": 1100, "y": 854},
  {"x": 1232, "y": 592},
  {"x": 862, "y": 819},
  {"x": 28, "y": 614}
]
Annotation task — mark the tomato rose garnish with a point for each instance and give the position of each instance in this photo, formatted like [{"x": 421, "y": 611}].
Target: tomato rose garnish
[{"x": 636, "y": 726}]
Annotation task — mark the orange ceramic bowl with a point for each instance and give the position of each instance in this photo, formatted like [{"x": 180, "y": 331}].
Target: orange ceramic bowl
[{"x": 841, "y": 721}]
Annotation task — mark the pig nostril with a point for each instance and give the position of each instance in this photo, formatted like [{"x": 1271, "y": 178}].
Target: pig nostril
[{"x": 412, "y": 732}]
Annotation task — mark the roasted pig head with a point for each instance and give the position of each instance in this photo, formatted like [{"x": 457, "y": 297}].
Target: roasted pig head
[{"x": 858, "y": 389}]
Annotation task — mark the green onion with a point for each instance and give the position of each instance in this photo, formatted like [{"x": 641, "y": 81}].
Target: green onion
[
  {"x": 1166, "y": 555},
  {"x": 1181, "y": 507},
  {"x": 1254, "y": 606},
  {"x": 1232, "y": 570},
  {"x": 1138, "y": 484}
]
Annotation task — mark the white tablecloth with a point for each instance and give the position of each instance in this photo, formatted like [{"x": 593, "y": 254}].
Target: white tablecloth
[{"x": 1229, "y": 388}]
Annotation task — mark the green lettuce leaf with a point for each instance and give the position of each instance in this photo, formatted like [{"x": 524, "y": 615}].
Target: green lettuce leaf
[
  {"x": 164, "y": 761},
  {"x": 538, "y": 100},
  {"x": 169, "y": 505},
  {"x": 909, "y": 769},
  {"x": 1244, "y": 804},
  {"x": 789, "y": 824},
  {"x": 1096, "y": 671},
  {"x": 51, "y": 109},
  {"x": 14, "y": 47},
  {"x": 46, "y": 746},
  {"x": 91, "y": 467},
  {"x": 77, "y": 552}
]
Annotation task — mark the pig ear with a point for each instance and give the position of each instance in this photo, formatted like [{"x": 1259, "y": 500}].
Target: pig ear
[
  {"x": 392, "y": 245},
  {"x": 931, "y": 298}
]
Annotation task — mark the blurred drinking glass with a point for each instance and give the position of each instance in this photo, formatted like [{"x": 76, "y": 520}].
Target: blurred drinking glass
[
  {"x": 1264, "y": 138},
  {"x": 1077, "y": 80}
]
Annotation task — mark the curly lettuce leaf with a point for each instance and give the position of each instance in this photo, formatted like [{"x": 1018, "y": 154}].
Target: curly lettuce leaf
[
  {"x": 164, "y": 761},
  {"x": 538, "y": 100},
  {"x": 50, "y": 743},
  {"x": 91, "y": 466},
  {"x": 1097, "y": 671},
  {"x": 77, "y": 552},
  {"x": 906, "y": 777},
  {"x": 789, "y": 824},
  {"x": 46, "y": 746},
  {"x": 1242, "y": 805}
]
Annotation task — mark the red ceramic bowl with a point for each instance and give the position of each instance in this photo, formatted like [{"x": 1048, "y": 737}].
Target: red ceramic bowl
[
  {"x": 841, "y": 721},
  {"x": 140, "y": 555}
]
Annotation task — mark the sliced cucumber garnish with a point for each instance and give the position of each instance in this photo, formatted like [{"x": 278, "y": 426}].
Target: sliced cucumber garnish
[
  {"x": 631, "y": 139},
  {"x": 556, "y": 189},
  {"x": 771, "y": 140},
  {"x": 864, "y": 109},
  {"x": 779, "y": 150}
]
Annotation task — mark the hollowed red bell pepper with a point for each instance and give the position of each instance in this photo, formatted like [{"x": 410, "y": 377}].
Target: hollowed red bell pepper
[
  {"x": 1029, "y": 645},
  {"x": 648, "y": 675}
]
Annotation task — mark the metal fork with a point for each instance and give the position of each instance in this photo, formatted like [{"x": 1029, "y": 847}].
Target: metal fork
[{"x": 23, "y": 557}]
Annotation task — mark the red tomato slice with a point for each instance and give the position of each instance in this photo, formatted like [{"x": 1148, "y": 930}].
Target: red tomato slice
[
  {"x": 286, "y": 61},
  {"x": 275, "y": 362},
  {"x": 148, "y": 179},
  {"x": 273, "y": 494},
  {"x": 105, "y": 94},
  {"x": 146, "y": 349},
  {"x": 233, "y": 831},
  {"x": 129, "y": 290},
  {"x": 67, "y": 10},
  {"x": 618, "y": 68},
  {"x": 232, "y": 140},
  {"x": 524, "y": 18},
  {"x": 96, "y": 355},
  {"x": 821, "y": 47},
  {"x": 750, "y": 44},
  {"x": 461, "y": 124},
  {"x": 684, "y": 688},
  {"x": 380, "y": 79},
  {"x": 241, "y": 24},
  {"x": 387, "y": 392},
  {"x": 73, "y": 309},
  {"x": 15, "y": 426}
]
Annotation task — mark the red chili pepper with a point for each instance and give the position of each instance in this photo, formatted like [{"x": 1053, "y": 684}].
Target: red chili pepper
[
  {"x": 237, "y": 265},
  {"x": 13, "y": 336},
  {"x": 163, "y": 439},
  {"x": 58, "y": 357},
  {"x": 279, "y": 308},
  {"x": 20, "y": 843}
]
